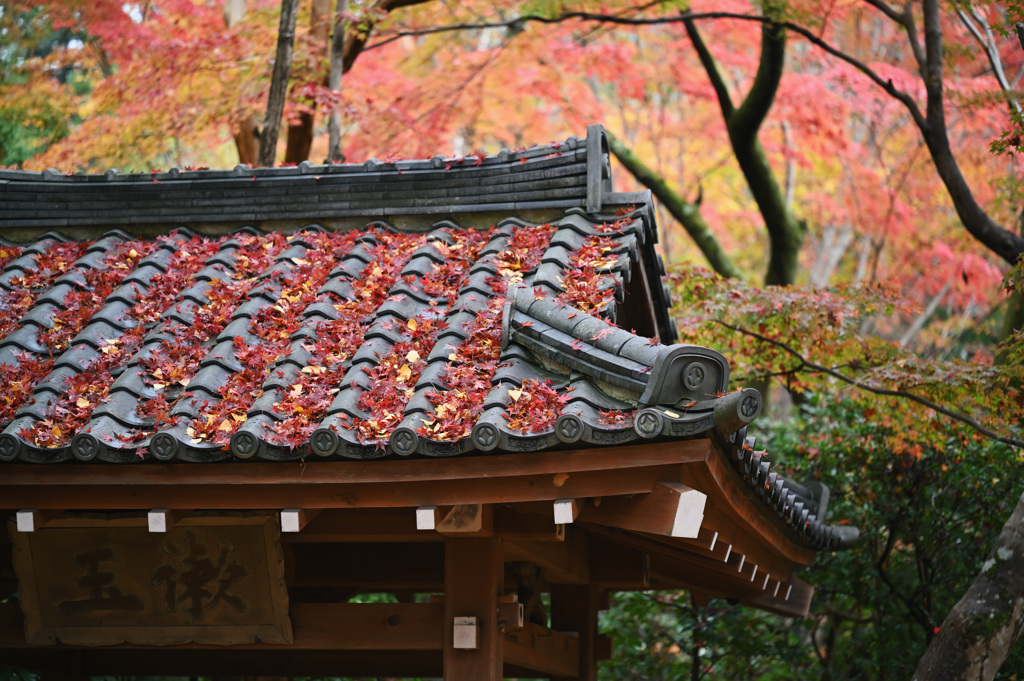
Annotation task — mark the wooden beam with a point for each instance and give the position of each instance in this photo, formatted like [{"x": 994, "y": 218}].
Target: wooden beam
[
  {"x": 736, "y": 502},
  {"x": 295, "y": 519},
  {"x": 552, "y": 653},
  {"x": 618, "y": 567},
  {"x": 316, "y": 473},
  {"x": 399, "y": 525},
  {"x": 565, "y": 562},
  {"x": 511, "y": 615},
  {"x": 369, "y": 566},
  {"x": 473, "y": 574},
  {"x": 574, "y": 609},
  {"x": 250, "y": 493},
  {"x": 315, "y": 626},
  {"x": 228, "y": 662},
  {"x": 792, "y": 600},
  {"x": 670, "y": 509}
]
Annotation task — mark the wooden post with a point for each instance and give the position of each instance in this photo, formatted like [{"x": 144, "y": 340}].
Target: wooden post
[
  {"x": 473, "y": 581},
  {"x": 574, "y": 608}
]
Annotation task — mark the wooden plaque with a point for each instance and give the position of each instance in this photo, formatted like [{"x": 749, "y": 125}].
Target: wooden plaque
[{"x": 104, "y": 581}]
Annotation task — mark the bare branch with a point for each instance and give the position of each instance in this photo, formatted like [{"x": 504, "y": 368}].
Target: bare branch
[
  {"x": 711, "y": 68},
  {"x": 975, "y": 22},
  {"x": 875, "y": 390},
  {"x": 807, "y": 34}
]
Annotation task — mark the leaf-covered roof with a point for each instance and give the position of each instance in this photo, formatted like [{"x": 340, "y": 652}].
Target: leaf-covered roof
[{"x": 362, "y": 342}]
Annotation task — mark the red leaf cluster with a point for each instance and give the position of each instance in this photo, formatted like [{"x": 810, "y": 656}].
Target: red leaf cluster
[
  {"x": 585, "y": 282},
  {"x": 467, "y": 378},
  {"x": 472, "y": 364},
  {"x": 307, "y": 400},
  {"x": 175, "y": 361},
  {"x": 84, "y": 391},
  {"x": 87, "y": 389},
  {"x": 49, "y": 265},
  {"x": 615, "y": 418},
  {"x": 534, "y": 407},
  {"x": 8, "y": 253},
  {"x": 274, "y": 326},
  {"x": 521, "y": 255},
  {"x": 82, "y": 303},
  {"x": 19, "y": 380},
  {"x": 394, "y": 378},
  {"x": 393, "y": 381}
]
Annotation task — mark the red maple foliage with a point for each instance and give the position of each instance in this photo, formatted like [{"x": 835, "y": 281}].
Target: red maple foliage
[
  {"x": 306, "y": 401},
  {"x": 585, "y": 283},
  {"x": 534, "y": 407}
]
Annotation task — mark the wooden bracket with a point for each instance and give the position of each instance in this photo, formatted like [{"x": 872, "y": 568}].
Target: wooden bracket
[
  {"x": 511, "y": 614},
  {"x": 163, "y": 519},
  {"x": 296, "y": 519},
  {"x": 566, "y": 511},
  {"x": 467, "y": 634},
  {"x": 427, "y": 517},
  {"x": 468, "y": 520},
  {"x": 671, "y": 509},
  {"x": 31, "y": 519}
]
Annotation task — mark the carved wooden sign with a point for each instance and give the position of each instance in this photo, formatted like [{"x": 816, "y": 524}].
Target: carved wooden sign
[{"x": 98, "y": 581}]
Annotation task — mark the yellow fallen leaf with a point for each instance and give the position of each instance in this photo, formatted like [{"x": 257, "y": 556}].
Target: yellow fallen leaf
[
  {"x": 412, "y": 324},
  {"x": 412, "y": 356},
  {"x": 404, "y": 373},
  {"x": 82, "y": 402},
  {"x": 225, "y": 425},
  {"x": 454, "y": 357},
  {"x": 515, "y": 394}
]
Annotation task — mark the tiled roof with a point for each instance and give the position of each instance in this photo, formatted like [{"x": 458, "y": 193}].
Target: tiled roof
[{"x": 360, "y": 342}]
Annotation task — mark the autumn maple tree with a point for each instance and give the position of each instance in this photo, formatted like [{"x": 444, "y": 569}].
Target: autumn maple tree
[{"x": 840, "y": 149}]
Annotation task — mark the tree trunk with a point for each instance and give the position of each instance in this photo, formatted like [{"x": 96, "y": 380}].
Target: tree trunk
[
  {"x": 334, "y": 154},
  {"x": 300, "y": 135},
  {"x": 279, "y": 82},
  {"x": 785, "y": 233},
  {"x": 982, "y": 627},
  {"x": 247, "y": 141}
]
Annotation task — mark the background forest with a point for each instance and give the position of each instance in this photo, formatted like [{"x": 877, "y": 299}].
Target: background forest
[{"x": 840, "y": 189}]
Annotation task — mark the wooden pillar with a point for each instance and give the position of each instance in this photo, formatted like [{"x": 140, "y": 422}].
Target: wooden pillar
[
  {"x": 473, "y": 580},
  {"x": 574, "y": 608}
]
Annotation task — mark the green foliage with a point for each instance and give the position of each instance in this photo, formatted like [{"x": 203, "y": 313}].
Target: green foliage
[
  {"x": 812, "y": 340},
  {"x": 657, "y": 635},
  {"x": 927, "y": 524},
  {"x": 36, "y": 94}
]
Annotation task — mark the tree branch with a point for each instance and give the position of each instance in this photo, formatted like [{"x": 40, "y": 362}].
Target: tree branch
[
  {"x": 682, "y": 210},
  {"x": 808, "y": 35},
  {"x": 1004, "y": 243},
  {"x": 875, "y": 390},
  {"x": 988, "y": 43},
  {"x": 711, "y": 68},
  {"x": 758, "y": 102}
]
